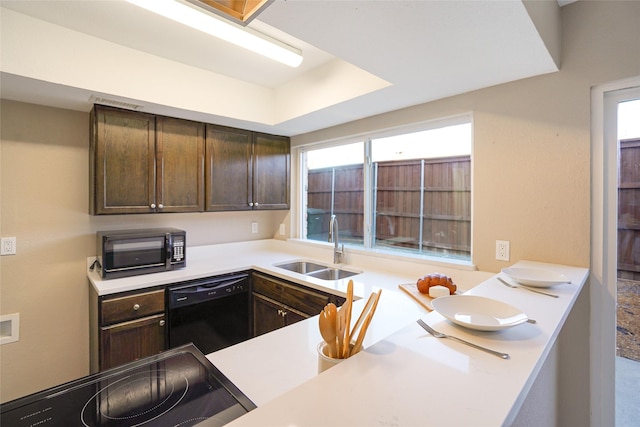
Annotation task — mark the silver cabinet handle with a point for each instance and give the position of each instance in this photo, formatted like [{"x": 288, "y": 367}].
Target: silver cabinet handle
[
  {"x": 162, "y": 323},
  {"x": 160, "y": 206},
  {"x": 153, "y": 205},
  {"x": 250, "y": 204},
  {"x": 136, "y": 307},
  {"x": 256, "y": 204}
]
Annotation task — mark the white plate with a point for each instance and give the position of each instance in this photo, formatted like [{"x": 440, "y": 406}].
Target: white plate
[
  {"x": 536, "y": 277},
  {"x": 480, "y": 313}
]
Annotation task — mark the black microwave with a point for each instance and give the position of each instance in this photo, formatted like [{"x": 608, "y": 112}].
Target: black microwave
[{"x": 122, "y": 253}]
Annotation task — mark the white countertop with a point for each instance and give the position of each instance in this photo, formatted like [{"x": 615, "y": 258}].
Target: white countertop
[
  {"x": 404, "y": 377},
  {"x": 262, "y": 255}
]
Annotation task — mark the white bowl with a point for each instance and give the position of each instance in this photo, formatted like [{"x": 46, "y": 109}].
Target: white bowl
[
  {"x": 536, "y": 277},
  {"x": 480, "y": 313}
]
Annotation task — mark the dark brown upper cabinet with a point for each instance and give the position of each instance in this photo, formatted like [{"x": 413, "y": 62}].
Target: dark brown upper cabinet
[
  {"x": 246, "y": 170},
  {"x": 141, "y": 163},
  {"x": 228, "y": 169},
  {"x": 179, "y": 165},
  {"x": 271, "y": 171}
]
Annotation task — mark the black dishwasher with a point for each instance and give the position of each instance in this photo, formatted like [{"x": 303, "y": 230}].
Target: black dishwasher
[{"x": 212, "y": 313}]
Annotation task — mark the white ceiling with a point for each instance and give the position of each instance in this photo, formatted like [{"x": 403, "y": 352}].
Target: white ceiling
[{"x": 361, "y": 58}]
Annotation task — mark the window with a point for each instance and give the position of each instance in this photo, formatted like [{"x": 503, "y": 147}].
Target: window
[{"x": 413, "y": 196}]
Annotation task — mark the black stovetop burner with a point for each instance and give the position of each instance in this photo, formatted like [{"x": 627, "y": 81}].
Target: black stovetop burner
[{"x": 179, "y": 387}]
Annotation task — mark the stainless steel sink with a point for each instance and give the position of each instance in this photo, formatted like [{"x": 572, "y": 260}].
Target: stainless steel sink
[
  {"x": 319, "y": 271},
  {"x": 332, "y": 274},
  {"x": 302, "y": 267}
]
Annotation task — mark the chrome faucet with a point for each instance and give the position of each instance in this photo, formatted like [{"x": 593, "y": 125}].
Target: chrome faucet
[{"x": 338, "y": 252}]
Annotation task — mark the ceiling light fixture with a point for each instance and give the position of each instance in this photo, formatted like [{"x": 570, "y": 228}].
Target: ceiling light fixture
[{"x": 228, "y": 31}]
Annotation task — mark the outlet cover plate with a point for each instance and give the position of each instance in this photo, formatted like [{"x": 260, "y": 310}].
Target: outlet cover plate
[
  {"x": 8, "y": 246},
  {"x": 502, "y": 250}
]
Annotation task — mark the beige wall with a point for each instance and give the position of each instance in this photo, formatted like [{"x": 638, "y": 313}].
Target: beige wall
[
  {"x": 531, "y": 179},
  {"x": 44, "y": 203},
  {"x": 531, "y": 186},
  {"x": 531, "y": 140}
]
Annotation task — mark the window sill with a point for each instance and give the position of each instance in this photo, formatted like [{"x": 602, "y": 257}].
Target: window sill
[{"x": 391, "y": 255}]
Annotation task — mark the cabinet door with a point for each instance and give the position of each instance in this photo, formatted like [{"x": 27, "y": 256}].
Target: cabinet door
[
  {"x": 122, "y": 171},
  {"x": 227, "y": 169},
  {"x": 180, "y": 165},
  {"x": 302, "y": 299},
  {"x": 267, "y": 315},
  {"x": 129, "y": 341},
  {"x": 271, "y": 164},
  {"x": 292, "y": 316}
]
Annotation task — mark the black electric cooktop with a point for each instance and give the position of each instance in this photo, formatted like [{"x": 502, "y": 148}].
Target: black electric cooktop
[{"x": 179, "y": 387}]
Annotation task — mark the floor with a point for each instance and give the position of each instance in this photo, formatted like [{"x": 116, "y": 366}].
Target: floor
[
  {"x": 628, "y": 313},
  {"x": 628, "y": 354},
  {"x": 627, "y": 392}
]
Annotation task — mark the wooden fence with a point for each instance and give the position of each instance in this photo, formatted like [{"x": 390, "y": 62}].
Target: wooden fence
[
  {"x": 629, "y": 210},
  {"x": 422, "y": 205},
  {"x": 337, "y": 191}
]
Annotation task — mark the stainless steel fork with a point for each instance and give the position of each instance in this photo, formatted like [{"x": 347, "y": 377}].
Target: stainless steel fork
[
  {"x": 504, "y": 282},
  {"x": 441, "y": 335}
]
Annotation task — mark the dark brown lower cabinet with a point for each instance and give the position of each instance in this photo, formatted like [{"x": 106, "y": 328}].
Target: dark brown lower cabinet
[
  {"x": 129, "y": 341},
  {"x": 270, "y": 315},
  {"x": 278, "y": 303},
  {"x": 131, "y": 325},
  {"x": 125, "y": 327}
]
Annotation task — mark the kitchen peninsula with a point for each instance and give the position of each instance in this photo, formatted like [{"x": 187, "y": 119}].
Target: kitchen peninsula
[{"x": 404, "y": 377}]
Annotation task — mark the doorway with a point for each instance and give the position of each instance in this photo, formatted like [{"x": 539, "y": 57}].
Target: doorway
[
  {"x": 603, "y": 275},
  {"x": 628, "y": 295},
  {"x": 628, "y": 265}
]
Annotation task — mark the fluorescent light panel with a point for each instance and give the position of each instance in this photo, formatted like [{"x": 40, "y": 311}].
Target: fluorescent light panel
[{"x": 228, "y": 31}]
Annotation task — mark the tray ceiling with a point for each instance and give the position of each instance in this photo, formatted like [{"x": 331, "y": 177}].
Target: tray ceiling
[{"x": 360, "y": 58}]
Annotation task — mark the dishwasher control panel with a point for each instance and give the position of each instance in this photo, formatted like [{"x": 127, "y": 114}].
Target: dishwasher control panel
[{"x": 207, "y": 289}]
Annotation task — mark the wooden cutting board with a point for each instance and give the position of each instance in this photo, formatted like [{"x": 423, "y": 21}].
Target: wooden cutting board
[
  {"x": 412, "y": 290},
  {"x": 423, "y": 299}
]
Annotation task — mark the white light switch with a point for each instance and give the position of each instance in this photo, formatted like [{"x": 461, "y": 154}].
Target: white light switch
[{"x": 254, "y": 227}]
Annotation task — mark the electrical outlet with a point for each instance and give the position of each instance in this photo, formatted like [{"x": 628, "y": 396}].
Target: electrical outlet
[
  {"x": 254, "y": 227},
  {"x": 502, "y": 250},
  {"x": 283, "y": 231},
  {"x": 8, "y": 246}
]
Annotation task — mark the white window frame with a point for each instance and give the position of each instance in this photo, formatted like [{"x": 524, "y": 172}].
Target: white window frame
[{"x": 299, "y": 196}]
